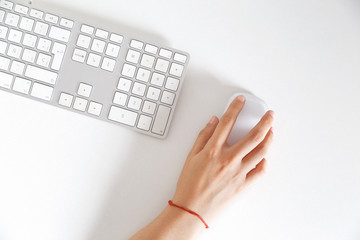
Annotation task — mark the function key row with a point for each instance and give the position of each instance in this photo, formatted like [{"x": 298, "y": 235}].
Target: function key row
[{"x": 47, "y": 17}]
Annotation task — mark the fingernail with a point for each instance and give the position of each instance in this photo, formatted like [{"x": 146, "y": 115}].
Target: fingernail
[
  {"x": 241, "y": 98},
  {"x": 272, "y": 113},
  {"x": 212, "y": 120},
  {"x": 272, "y": 129}
]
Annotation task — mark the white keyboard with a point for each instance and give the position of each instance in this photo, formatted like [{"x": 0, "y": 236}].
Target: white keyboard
[{"x": 89, "y": 69}]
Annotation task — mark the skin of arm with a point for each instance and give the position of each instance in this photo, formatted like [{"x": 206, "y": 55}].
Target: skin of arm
[{"x": 214, "y": 174}]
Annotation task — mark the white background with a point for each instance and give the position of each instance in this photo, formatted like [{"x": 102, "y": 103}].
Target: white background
[{"x": 65, "y": 176}]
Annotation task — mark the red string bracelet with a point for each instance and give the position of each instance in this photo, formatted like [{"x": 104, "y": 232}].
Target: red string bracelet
[{"x": 189, "y": 211}]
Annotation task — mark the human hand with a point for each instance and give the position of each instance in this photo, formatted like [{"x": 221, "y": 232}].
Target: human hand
[{"x": 215, "y": 172}]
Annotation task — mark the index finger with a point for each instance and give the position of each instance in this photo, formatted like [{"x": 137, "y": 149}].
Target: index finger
[
  {"x": 227, "y": 121},
  {"x": 256, "y": 135}
]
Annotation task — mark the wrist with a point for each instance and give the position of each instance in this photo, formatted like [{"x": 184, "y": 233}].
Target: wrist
[
  {"x": 172, "y": 223},
  {"x": 182, "y": 218}
]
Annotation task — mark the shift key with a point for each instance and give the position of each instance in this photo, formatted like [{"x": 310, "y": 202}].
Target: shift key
[
  {"x": 161, "y": 120},
  {"x": 41, "y": 74}
]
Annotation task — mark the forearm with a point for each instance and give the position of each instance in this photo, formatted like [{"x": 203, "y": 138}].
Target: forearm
[{"x": 172, "y": 223}]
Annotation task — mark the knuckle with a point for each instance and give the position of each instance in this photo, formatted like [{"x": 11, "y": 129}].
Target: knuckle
[
  {"x": 203, "y": 132},
  {"x": 211, "y": 152},
  {"x": 262, "y": 149},
  {"x": 232, "y": 156},
  {"x": 227, "y": 119},
  {"x": 257, "y": 135}
]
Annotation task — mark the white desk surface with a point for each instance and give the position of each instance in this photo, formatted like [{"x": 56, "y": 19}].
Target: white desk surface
[{"x": 65, "y": 176}]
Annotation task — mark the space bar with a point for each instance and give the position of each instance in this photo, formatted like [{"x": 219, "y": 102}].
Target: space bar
[{"x": 41, "y": 74}]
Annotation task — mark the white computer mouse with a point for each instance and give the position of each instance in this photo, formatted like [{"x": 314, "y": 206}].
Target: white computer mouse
[{"x": 249, "y": 116}]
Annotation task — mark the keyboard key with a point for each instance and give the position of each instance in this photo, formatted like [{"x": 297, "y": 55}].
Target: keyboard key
[
  {"x": 66, "y": 23},
  {"x": 157, "y": 79},
  {"x": 122, "y": 116},
  {"x": 6, "y": 4},
  {"x": 153, "y": 93},
  {"x": 5, "y": 80},
  {"x": 83, "y": 41},
  {"x": 22, "y": 85},
  {"x": 95, "y": 108},
  {"x": 65, "y": 99},
  {"x": 29, "y": 56},
  {"x": 151, "y": 49},
  {"x": 12, "y": 19},
  {"x": 172, "y": 83},
  {"x": 15, "y": 36},
  {"x": 144, "y": 122},
  {"x": 180, "y": 58},
  {"x": 133, "y": 56},
  {"x": 124, "y": 84},
  {"x": 101, "y": 34},
  {"x": 165, "y": 53},
  {"x": 29, "y": 40},
  {"x": 94, "y": 60},
  {"x": 80, "y": 104},
  {"x": 43, "y": 60},
  {"x": 59, "y": 34},
  {"x": 98, "y": 46},
  {"x": 14, "y": 51},
  {"x": 2, "y": 15},
  {"x": 134, "y": 103},
  {"x": 17, "y": 67},
  {"x": 176, "y": 69},
  {"x": 161, "y": 120},
  {"x": 4, "y": 63},
  {"x": 112, "y": 50},
  {"x": 143, "y": 75},
  {"x": 87, "y": 29},
  {"x": 51, "y": 18},
  {"x": 147, "y": 61},
  {"x": 149, "y": 107},
  {"x": 116, "y": 38},
  {"x": 42, "y": 91},
  {"x": 162, "y": 65},
  {"x": 21, "y": 9},
  {"x": 120, "y": 98},
  {"x": 139, "y": 89},
  {"x": 3, "y": 32},
  {"x": 136, "y": 44},
  {"x": 36, "y": 13},
  {"x": 44, "y": 45},
  {"x": 26, "y": 24},
  {"x": 79, "y": 55},
  {"x": 3, "y": 46},
  {"x": 41, "y": 74},
  {"x": 167, "y": 97},
  {"x": 59, "y": 51},
  {"x": 108, "y": 64},
  {"x": 84, "y": 90},
  {"x": 128, "y": 70},
  {"x": 41, "y": 28}
]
